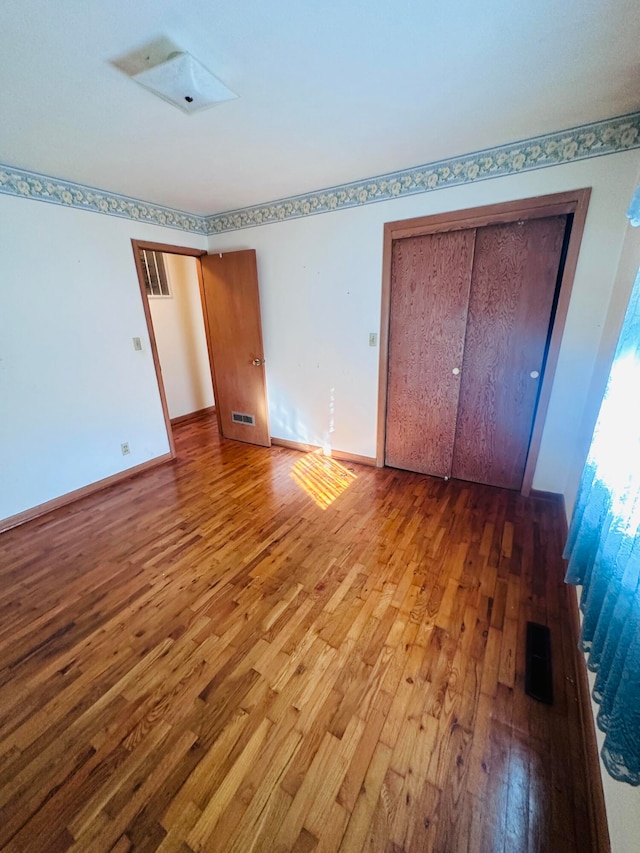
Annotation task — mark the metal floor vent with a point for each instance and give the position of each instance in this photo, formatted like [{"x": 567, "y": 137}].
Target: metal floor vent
[
  {"x": 538, "y": 676},
  {"x": 242, "y": 418}
]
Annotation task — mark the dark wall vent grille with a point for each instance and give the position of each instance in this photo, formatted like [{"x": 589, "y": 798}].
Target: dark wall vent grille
[{"x": 242, "y": 418}]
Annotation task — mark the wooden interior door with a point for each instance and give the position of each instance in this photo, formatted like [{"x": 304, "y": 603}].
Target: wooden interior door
[
  {"x": 430, "y": 279},
  {"x": 512, "y": 293},
  {"x": 231, "y": 305}
]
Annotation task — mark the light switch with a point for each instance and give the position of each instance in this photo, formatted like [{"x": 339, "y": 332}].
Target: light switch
[
  {"x": 373, "y": 339},
  {"x": 137, "y": 344}
]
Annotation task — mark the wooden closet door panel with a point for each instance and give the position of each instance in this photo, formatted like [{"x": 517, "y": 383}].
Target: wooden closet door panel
[
  {"x": 430, "y": 279},
  {"x": 512, "y": 291}
]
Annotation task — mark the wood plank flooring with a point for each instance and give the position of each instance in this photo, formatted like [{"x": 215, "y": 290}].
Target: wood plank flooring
[{"x": 257, "y": 650}]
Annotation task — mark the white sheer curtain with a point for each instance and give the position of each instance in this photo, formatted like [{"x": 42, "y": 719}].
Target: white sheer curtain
[{"x": 603, "y": 550}]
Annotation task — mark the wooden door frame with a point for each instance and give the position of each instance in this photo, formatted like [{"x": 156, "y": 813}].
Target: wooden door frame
[
  {"x": 169, "y": 249},
  {"x": 574, "y": 202}
]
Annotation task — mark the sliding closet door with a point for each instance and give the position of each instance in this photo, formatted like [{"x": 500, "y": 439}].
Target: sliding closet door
[
  {"x": 430, "y": 278},
  {"x": 512, "y": 292}
]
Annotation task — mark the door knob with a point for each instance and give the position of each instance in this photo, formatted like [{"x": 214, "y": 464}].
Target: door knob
[
  {"x": 456, "y": 371},
  {"x": 258, "y": 361},
  {"x": 534, "y": 374}
]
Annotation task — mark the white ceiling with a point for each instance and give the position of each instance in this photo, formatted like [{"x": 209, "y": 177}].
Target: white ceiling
[{"x": 329, "y": 91}]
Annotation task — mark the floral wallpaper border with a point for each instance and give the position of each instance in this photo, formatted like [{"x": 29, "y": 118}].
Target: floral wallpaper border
[
  {"x": 579, "y": 143},
  {"x": 18, "y": 182},
  {"x": 609, "y": 136}
]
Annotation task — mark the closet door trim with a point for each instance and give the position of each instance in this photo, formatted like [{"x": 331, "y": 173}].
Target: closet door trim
[{"x": 576, "y": 203}]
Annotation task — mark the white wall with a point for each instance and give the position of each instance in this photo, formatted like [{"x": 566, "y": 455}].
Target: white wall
[
  {"x": 72, "y": 388},
  {"x": 178, "y": 326},
  {"x": 320, "y": 288}
]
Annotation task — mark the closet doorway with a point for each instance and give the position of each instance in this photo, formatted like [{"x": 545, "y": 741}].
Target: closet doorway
[{"x": 473, "y": 309}]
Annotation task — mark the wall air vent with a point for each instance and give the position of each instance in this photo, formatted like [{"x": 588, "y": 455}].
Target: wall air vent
[{"x": 241, "y": 418}]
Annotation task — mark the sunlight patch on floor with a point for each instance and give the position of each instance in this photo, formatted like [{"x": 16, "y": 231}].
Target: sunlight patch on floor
[{"x": 321, "y": 477}]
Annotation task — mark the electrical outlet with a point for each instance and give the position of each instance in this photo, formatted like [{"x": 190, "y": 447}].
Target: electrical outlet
[
  {"x": 137, "y": 344},
  {"x": 373, "y": 339},
  {"x": 126, "y": 450}
]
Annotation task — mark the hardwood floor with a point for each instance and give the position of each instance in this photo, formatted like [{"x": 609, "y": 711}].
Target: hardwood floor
[{"x": 258, "y": 650}]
